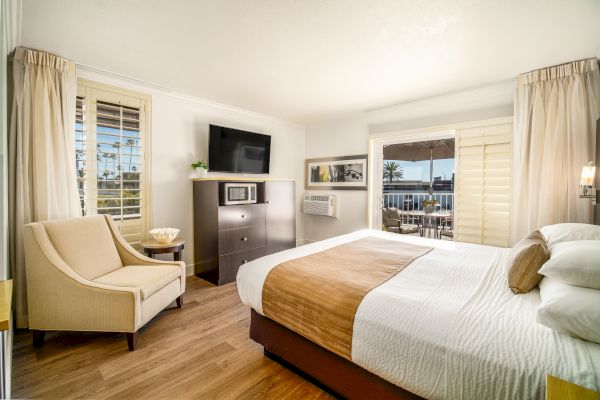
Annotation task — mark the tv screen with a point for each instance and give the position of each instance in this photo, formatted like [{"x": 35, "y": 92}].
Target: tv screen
[{"x": 233, "y": 150}]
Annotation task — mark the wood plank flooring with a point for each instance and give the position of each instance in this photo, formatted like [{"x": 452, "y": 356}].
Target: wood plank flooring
[{"x": 201, "y": 351}]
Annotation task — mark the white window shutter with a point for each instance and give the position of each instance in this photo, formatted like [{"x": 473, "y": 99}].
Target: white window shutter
[
  {"x": 483, "y": 185},
  {"x": 111, "y": 165}
]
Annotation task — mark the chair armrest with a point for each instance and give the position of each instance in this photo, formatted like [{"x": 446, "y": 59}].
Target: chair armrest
[
  {"x": 60, "y": 299},
  {"x": 129, "y": 255}
]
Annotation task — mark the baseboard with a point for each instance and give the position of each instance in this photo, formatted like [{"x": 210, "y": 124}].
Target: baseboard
[{"x": 189, "y": 269}]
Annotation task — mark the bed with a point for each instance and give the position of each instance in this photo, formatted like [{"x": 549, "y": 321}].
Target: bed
[{"x": 445, "y": 327}]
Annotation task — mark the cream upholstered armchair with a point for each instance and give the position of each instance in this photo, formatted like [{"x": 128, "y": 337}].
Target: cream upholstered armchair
[{"x": 83, "y": 276}]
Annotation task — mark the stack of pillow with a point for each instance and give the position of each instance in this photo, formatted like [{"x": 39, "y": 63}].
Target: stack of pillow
[{"x": 569, "y": 256}]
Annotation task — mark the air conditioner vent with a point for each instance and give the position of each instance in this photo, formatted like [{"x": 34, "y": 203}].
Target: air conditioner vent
[{"x": 316, "y": 204}]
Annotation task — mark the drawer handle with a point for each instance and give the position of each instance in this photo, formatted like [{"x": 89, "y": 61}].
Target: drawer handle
[
  {"x": 244, "y": 239},
  {"x": 244, "y": 261},
  {"x": 243, "y": 216}
]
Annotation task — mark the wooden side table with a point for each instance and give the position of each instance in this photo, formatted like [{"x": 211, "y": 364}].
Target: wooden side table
[
  {"x": 152, "y": 247},
  {"x": 558, "y": 389}
]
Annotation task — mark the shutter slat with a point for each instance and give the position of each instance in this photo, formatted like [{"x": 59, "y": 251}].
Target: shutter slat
[{"x": 483, "y": 185}]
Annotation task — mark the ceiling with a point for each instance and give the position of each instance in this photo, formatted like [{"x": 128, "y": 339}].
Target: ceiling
[{"x": 304, "y": 60}]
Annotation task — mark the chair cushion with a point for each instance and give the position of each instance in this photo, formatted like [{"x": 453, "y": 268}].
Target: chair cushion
[
  {"x": 149, "y": 278},
  {"x": 85, "y": 244}
]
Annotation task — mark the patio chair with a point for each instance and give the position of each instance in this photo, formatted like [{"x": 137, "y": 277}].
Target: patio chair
[
  {"x": 392, "y": 222},
  {"x": 428, "y": 226},
  {"x": 446, "y": 225}
]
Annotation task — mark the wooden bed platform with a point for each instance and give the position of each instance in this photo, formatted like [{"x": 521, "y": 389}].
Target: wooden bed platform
[{"x": 336, "y": 374}]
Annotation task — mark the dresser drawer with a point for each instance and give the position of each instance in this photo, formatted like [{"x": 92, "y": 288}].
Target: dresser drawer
[
  {"x": 230, "y": 264},
  {"x": 231, "y": 217},
  {"x": 234, "y": 240}
]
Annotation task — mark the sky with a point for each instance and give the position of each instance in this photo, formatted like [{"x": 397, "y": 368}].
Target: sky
[{"x": 419, "y": 170}]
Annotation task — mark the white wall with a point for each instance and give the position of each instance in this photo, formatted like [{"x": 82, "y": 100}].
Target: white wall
[
  {"x": 180, "y": 137},
  {"x": 340, "y": 137},
  {"x": 350, "y": 135}
]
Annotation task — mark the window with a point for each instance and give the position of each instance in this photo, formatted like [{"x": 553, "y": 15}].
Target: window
[{"x": 112, "y": 136}]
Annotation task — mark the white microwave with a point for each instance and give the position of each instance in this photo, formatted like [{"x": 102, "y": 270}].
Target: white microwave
[{"x": 240, "y": 193}]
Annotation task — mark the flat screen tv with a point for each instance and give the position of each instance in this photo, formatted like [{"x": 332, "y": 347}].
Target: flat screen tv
[{"x": 233, "y": 150}]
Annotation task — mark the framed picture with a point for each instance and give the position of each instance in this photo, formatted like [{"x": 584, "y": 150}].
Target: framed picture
[{"x": 336, "y": 173}]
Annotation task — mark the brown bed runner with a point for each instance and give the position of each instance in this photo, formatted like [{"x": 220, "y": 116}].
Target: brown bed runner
[{"x": 318, "y": 295}]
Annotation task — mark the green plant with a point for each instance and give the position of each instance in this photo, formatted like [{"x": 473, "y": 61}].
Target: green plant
[
  {"x": 431, "y": 202},
  {"x": 199, "y": 164},
  {"x": 392, "y": 171}
]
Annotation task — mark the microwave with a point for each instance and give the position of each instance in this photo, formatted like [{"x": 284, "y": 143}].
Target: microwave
[{"x": 239, "y": 193}]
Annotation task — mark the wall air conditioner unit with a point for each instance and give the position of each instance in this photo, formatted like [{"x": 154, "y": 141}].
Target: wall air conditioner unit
[{"x": 320, "y": 204}]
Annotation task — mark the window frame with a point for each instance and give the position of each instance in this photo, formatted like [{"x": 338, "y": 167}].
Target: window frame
[{"x": 93, "y": 92}]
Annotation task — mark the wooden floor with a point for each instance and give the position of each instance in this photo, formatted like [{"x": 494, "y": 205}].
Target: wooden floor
[{"x": 201, "y": 351}]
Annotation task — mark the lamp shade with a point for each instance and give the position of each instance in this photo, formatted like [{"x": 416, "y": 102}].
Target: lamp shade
[{"x": 587, "y": 176}]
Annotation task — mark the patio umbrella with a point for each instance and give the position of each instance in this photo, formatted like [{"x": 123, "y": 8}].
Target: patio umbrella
[{"x": 421, "y": 151}]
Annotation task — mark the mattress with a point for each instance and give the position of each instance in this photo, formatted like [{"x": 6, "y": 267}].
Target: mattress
[{"x": 448, "y": 327}]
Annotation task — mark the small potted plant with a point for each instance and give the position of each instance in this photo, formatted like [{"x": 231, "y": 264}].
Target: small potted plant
[
  {"x": 429, "y": 205},
  {"x": 200, "y": 168}
]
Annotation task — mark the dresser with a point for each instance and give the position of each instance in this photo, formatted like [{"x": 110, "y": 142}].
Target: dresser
[{"x": 228, "y": 236}]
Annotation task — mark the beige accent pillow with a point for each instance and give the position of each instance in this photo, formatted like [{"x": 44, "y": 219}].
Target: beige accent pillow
[{"x": 525, "y": 260}]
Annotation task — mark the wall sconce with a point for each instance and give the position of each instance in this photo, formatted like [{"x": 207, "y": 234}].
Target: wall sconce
[{"x": 586, "y": 183}]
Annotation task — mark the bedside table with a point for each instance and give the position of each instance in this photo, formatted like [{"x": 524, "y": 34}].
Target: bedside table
[
  {"x": 151, "y": 248},
  {"x": 558, "y": 389}
]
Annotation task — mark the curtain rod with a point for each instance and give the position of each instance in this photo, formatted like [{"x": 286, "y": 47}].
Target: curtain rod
[{"x": 558, "y": 65}]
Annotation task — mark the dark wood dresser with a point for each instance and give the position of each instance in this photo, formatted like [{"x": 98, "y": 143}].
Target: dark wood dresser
[{"x": 228, "y": 236}]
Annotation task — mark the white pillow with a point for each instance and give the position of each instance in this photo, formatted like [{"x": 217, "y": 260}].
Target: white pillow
[
  {"x": 570, "y": 309},
  {"x": 558, "y": 233},
  {"x": 576, "y": 263}
]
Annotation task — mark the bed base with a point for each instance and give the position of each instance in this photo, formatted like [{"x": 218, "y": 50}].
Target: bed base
[{"x": 333, "y": 373}]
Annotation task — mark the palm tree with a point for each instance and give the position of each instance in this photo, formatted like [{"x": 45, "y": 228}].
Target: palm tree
[
  {"x": 130, "y": 143},
  {"x": 392, "y": 171}
]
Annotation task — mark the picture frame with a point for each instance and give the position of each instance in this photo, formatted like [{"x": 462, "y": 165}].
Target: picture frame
[{"x": 336, "y": 173}]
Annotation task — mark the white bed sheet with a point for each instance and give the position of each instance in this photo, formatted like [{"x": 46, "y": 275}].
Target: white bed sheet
[{"x": 447, "y": 326}]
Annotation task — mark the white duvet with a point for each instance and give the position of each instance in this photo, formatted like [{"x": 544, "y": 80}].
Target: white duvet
[{"x": 448, "y": 327}]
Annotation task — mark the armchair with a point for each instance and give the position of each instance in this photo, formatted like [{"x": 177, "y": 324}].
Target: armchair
[
  {"x": 83, "y": 276},
  {"x": 392, "y": 222}
]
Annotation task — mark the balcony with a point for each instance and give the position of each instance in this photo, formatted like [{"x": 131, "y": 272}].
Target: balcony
[{"x": 414, "y": 201}]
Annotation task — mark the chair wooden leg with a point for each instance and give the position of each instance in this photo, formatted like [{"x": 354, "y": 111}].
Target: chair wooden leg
[
  {"x": 179, "y": 301},
  {"x": 132, "y": 338},
  {"x": 38, "y": 338}
]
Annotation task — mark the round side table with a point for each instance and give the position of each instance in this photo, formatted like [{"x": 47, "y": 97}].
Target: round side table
[{"x": 151, "y": 248}]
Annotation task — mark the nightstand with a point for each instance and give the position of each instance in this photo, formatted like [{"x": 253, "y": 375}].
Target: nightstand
[{"x": 558, "y": 389}]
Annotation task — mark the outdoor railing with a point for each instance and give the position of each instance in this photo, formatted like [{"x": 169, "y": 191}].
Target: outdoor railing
[{"x": 414, "y": 201}]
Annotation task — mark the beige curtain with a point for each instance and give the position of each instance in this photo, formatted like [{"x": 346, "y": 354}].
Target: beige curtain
[
  {"x": 42, "y": 176},
  {"x": 556, "y": 110}
]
